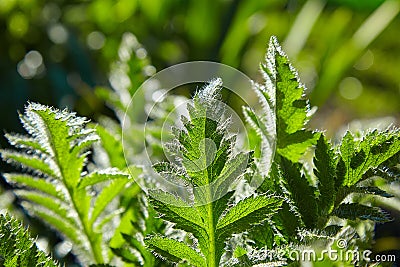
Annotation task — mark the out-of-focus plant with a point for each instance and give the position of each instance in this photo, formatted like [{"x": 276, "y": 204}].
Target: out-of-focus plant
[
  {"x": 346, "y": 49},
  {"x": 126, "y": 78}
]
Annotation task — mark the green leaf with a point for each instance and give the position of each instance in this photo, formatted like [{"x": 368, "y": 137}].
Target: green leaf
[
  {"x": 175, "y": 251},
  {"x": 126, "y": 255},
  {"x": 287, "y": 221},
  {"x": 101, "y": 176},
  {"x": 263, "y": 235},
  {"x": 185, "y": 217},
  {"x": 57, "y": 222},
  {"x": 247, "y": 212},
  {"x": 46, "y": 186},
  {"x": 372, "y": 190},
  {"x": 171, "y": 172},
  {"x": 55, "y": 152},
  {"x": 312, "y": 198},
  {"x": 24, "y": 142},
  {"x": 54, "y": 205},
  {"x": 140, "y": 220},
  {"x": 360, "y": 156},
  {"x": 113, "y": 147},
  {"x": 301, "y": 192},
  {"x": 135, "y": 243},
  {"x": 204, "y": 149},
  {"x": 29, "y": 161},
  {"x": 353, "y": 211},
  {"x": 175, "y": 209},
  {"x": 17, "y": 248},
  {"x": 106, "y": 196},
  {"x": 291, "y": 107},
  {"x": 84, "y": 144},
  {"x": 285, "y": 110},
  {"x": 232, "y": 171},
  {"x": 325, "y": 170}
]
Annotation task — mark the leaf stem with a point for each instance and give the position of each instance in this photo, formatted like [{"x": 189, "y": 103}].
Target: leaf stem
[
  {"x": 98, "y": 257},
  {"x": 75, "y": 201},
  {"x": 211, "y": 234}
]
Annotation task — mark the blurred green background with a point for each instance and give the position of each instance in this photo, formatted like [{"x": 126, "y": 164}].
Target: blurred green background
[{"x": 347, "y": 51}]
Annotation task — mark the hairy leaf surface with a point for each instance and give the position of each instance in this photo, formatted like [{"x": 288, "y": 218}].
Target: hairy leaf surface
[
  {"x": 55, "y": 153},
  {"x": 17, "y": 248},
  {"x": 208, "y": 165}
]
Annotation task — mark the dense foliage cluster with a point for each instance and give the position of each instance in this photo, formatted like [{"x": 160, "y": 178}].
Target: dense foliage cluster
[{"x": 312, "y": 192}]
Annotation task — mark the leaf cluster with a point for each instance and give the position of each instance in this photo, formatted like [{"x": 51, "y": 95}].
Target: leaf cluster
[
  {"x": 207, "y": 164},
  {"x": 310, "y": 188},
  {"x": 17, "y": 248},
  {"x": 54, "y": 183},
  {"x": 319, "y": 189}
]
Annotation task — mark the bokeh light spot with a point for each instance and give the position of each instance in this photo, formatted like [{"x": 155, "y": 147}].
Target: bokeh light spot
[
  {"x": 25, "y": 71},
  {"x": 18, "y": 25},
  {"x": 159, "y": 95},
  {"x": 58, "y": 34},
  {"x": 33, "y": 59},
  {"x": 149, "y": 70},
  {"x": 6, "y": 5},
  {"x": 141, "y": 53},
  {"x": 31, "y": 66},
  {"x": 350, "y": 88},
  {"x": 51, "y": 12},
  {"x": 95, "y": 40},
  {"x": 365, "y": 62}
]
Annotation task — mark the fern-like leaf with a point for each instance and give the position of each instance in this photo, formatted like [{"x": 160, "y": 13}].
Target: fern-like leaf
[
  {"x": 17, "y": 248},
  {"x": 312, "y": 197},
  {"x": 175, "y": 251},
  {"x": 285, "y": 111},
  {"x": 208, "y": 165},
  {"x": 55, "y": 187}
]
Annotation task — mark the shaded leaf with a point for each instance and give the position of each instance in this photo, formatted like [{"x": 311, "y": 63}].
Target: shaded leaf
[
  {"x": 353, "y": 211},
  {"x": 175, "y": 251}
]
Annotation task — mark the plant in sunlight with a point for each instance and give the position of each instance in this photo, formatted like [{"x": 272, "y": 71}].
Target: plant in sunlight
[
  {"x": 53, "y": 183},
  {"x": 321, "y": 190},
  {"x": 17, "y": 248},
  {"x": 311, "y": 191},
  {"x": 207, "y": 162}
]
